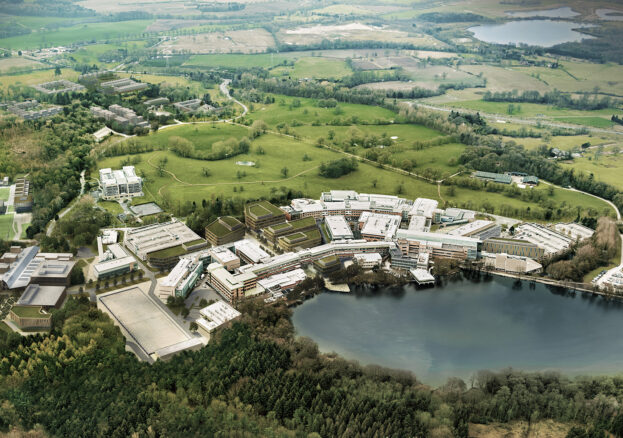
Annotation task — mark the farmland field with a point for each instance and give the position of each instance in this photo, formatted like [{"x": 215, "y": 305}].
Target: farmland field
[
  {"x": 315, "y": 68},
  {"x": 239, "y": 41},
  {"x": 74, "y": 34},
  {"x": 14, "y": 65}
]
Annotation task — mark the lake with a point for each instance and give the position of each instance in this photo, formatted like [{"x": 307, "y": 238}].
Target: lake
[
  {"x": 564, "y": 12},
  {"x": 545, "y": 33},
  {"x": 465, "y": 326}
]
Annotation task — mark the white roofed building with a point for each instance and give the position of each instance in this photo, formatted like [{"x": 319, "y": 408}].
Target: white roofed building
[{"x": 119, "y": 184}]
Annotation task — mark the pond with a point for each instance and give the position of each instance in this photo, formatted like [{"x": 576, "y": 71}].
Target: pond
[
  {"x": 466, "y": 325},
  {"x": 545, "y": 33}
]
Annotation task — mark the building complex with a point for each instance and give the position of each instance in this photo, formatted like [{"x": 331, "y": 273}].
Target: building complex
[{"x": 119, "y": 184}]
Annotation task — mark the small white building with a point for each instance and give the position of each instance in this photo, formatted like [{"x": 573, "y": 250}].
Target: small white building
[
  {"x": 368, "y": 260},
  {"x": 214, "y": 316},
  {"x": 119, "y": 184}
]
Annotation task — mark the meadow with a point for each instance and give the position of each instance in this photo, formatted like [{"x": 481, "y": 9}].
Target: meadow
[
  {"x": 607, "y": 168},
  {"x": 185, "y": 180},
  {"x": 314, "y": 67},
  {"x": 88, "y": 32},
  {"x": 201, "y": 135}
]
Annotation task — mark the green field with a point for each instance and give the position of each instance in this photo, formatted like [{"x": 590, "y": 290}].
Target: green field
[
  {"x": 608, "y": 168},
  {"x": 4, "y": 193},
  {"x": 534, "y": 110},
  {"x": 90, "y": 32},
  {"x": 186, "y": 181},
  {"x": 316, "y": 67},
  {"x": 595, "y": 122},
  {"x": 264, "y": 60},
  {"x": 6, "y": 226},
  {"x": 201, "y": 135},
  {"x": 284, "y": 111},
  {"x": 89, "y": 54}
]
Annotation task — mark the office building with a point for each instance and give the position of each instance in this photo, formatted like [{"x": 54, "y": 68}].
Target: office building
[
  {"x": 47, "y": 297},
  {"x": 250, "y": 252},
  {"x": 300, "y": 239},
  {"x": 338, "y": 228},
  {"x": 30, "y": 318},
  {"x": 231, "y": 287},
  {"x": 327, "y": 264},
  {"x": 479, "y": 229},
  {"x": 120, "y": 86},
  {"x": 281, "y": 282},
  {"x": 182, "y": 278},
  {"x": 511, "y": 263},
  {"x": 438, "y": 245},
  {"x": 225, "y": 257},
  {"x": 119, "y": 184},
  {"x": 113, "y": 262},
  {"x": 368, "y": 261},
  {"x": 262, "y": 214},
  {"x": 214, "y": 316},
  {"x": 273, "y": 232},
  {"x": 515, "y": 247},
  {"x": 376, "y": 227},
  {"x": 162, "y": 244},
  {"x": 22, "y": 198},
  {"x": 225, "y": 229},
  {"x": 424, "y": 207}
]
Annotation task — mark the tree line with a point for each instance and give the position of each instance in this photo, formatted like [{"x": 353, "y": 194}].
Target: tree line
[{"x": 556, "y": 98}]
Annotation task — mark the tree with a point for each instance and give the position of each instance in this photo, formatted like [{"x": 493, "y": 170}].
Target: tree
[
  {"x": 185, "y": 312},
  {"x": 57, "y": 71},
  {"x": 284, "y": 172},
  {"x": 193, "y": 326}
]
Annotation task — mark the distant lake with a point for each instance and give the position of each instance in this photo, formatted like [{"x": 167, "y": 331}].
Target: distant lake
[
  {"x": 610, "y": 14},
  {"x": 564, "y": 12},
  {"x": 466, "y": 326},
  {"x": 545, "y": 33}
]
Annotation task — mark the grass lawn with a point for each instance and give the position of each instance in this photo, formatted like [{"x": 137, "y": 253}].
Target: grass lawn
[
  {"x": 89, "y": 54},
  {"x": 608, "y": 168},
  {"x": 201, "y": 135},
  {"x": 532, "y": 110},
  {"x": 266, "y": 178},
  {"x": 285, "y": 110},
  {"x": 595, "y": 122},
  {"x": 6, "y": 226},
  {"x": 111, "y": 206},
  {"x": 5, "y": 328},
  {"x": 264, "y": 60},
  {"x": 4, "y": 193},
  {"x": 88, "y": 32},
  {"x": 405, "y": 134},
  {"x": 37, "y": 77}
]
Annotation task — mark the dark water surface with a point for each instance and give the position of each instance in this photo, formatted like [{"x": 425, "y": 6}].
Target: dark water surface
[
  {"x": 545, "y": 33},
  {"x": 466, "y": 325}
]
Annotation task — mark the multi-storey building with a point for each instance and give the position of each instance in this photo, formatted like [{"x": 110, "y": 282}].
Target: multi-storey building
[
  {"x": 515, "y": 247},
  {"x": 273, "y": 232},
  {"x": 438, "y": 245},
  {"x": 262, "y": 214},
  {"x": 116, "y": 184},
  {"x": 225, "y": 229}
]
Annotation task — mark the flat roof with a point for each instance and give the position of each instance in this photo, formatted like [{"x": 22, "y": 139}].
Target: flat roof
[
  {"x": 263, "y": 208},
  {"x": 382, "y": 225},
  {"x": 471, "y": 227},
  {"x": 338, "y": 227},
  {"x": 223, "y": 255},
  {"x": 251, "y": 250},
  {"x": 37, "y": 295},
  {"x": 142, "y": 319}
]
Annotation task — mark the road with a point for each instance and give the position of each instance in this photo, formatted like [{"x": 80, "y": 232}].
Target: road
[
  {"x": 52, "y": 223},
  {"x": 519, "y": 121}
]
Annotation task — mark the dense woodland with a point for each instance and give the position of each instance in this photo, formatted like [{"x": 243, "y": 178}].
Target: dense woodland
[{"x": 256, "y": 379}]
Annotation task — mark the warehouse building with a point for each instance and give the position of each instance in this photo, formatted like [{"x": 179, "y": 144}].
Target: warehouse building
[
  {"x": 119, "y": 184},
  {"x": 338, "y": 228},
  {"x": 273, "y": 232},
  {"x": 225, "y": 229},
  {"x": 262, "y": 214},
  {"x": 550, "y": 240},
  {"x": 500, "y": 178},
  {"x": 514, "y": 247}
]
